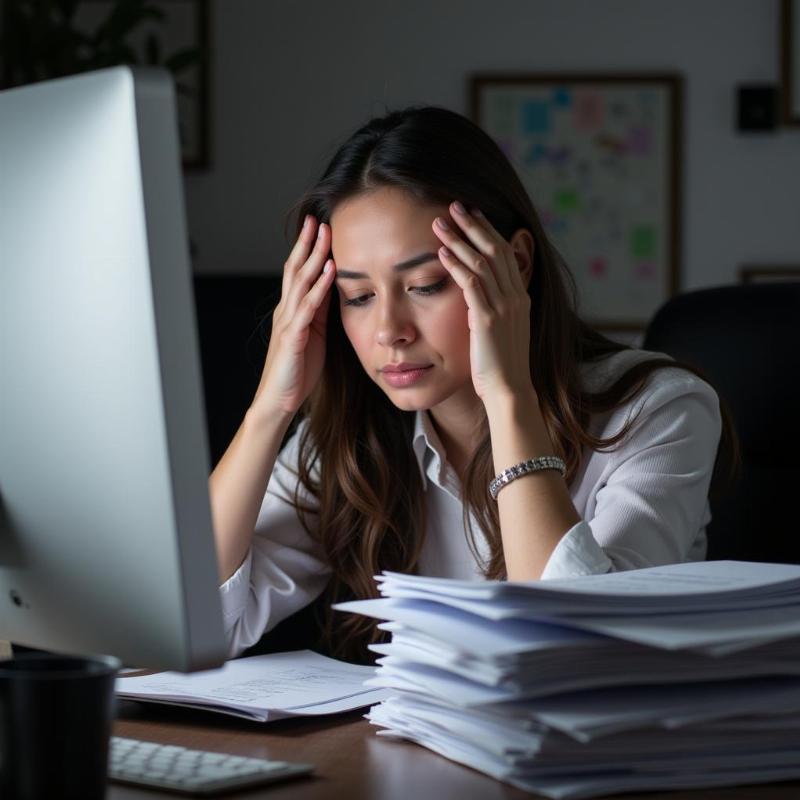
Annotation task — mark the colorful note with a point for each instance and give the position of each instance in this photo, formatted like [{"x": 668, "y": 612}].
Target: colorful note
[
  {"x": 534, "y": 154},
  {"x": 598, "y": 267},
  {"x": 640, "y": 141},
  {"x": 536, "y": 116},
  {"x": 559, "y": 156},
  {"x": 643, "y": 241},
  {"x": 562, "y": 98},
  {"x": 588, "y": 110},
  {"x": 646, "y": 270},
  {"x": 611, "y": 144},
  {"x": 566, "y": 201}
]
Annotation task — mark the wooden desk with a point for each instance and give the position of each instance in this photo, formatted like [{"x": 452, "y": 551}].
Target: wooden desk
[{"x": 352, "y": 763}]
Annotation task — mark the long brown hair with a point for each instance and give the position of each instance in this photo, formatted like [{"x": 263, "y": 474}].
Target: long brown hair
[{"x": 371, "y": 510}]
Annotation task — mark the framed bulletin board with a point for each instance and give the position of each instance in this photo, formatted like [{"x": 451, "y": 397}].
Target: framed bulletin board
[{"x": 600, "y": 157}]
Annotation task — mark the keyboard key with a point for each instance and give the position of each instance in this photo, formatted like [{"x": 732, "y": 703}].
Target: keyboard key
[{"x": 182, "y": 769}]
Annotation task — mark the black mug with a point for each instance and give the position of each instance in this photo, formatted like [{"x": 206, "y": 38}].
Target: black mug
[{"x": 56, "y": 713}]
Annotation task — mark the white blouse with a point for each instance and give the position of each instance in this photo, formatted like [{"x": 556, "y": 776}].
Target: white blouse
[{"x": 642, "y": 504}]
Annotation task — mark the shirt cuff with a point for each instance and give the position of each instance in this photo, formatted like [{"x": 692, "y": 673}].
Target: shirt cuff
[
  {"x": 578, "y": 553},
  {"x": 233, "y": 593}
]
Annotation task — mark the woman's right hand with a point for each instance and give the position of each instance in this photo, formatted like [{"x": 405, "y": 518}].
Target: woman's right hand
[{"x": 296, "y": 351}]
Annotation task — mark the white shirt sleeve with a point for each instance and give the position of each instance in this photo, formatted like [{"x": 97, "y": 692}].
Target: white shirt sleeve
[
  {"x": 284, "y": 569},
  {"x": 654, "y": 496}
]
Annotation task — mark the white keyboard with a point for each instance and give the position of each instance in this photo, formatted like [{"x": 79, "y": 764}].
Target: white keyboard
[{"x": 179, "y": 769}]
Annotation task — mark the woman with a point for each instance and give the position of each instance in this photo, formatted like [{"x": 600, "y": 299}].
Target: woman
[{"x": 425, "y": 360}]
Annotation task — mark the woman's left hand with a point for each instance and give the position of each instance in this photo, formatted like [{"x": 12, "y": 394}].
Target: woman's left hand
[{"x": 498, "y": 304}]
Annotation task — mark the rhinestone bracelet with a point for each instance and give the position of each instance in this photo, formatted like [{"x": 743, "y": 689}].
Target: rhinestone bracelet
[{"x": 523, "y": 468}]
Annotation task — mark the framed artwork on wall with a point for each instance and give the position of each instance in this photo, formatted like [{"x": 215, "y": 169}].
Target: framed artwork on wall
[
  {"x": 600, "y": 157},
  {"x": 84, "y": 35},
  {"x": 173, "y": 34},
  {"x": 790, "y": 61}
]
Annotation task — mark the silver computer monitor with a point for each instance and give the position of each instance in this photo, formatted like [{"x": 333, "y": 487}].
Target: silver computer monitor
[{"x": 106, "y": 541}]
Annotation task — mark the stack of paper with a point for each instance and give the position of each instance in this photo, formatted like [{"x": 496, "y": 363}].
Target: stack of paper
[
  {"x": 671, "y": 677},
  {"x": 262, "y": 688}
]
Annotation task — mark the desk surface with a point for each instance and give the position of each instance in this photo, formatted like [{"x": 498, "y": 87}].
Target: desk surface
[{"x": 351, "y": 761}]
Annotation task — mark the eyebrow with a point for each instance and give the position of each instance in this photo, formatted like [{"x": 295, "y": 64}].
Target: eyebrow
[{"x": 402, "y": 266}]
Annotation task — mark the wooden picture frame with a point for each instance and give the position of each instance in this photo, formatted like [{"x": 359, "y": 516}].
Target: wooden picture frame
[
  {"x": 184, "y": 27},
  {"x": 600, "y": 157},
  {"x": 790, "y": 62}
]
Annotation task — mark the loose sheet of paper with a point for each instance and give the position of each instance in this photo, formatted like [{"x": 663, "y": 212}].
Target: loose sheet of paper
[{"x": 276, "y": 682}]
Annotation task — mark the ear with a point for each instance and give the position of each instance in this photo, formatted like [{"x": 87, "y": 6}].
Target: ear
[{"x": 523, "y": 246}]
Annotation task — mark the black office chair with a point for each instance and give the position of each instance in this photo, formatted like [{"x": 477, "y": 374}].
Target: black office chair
[
  {"x": 233, "y": 336},
  {"x": 746, "y": 339}
]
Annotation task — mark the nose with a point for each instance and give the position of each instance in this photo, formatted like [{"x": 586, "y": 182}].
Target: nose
[{"x": 394, "y": 326}]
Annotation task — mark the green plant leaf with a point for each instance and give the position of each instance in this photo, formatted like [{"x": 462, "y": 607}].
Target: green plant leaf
[{"x": 124, "y": 17}]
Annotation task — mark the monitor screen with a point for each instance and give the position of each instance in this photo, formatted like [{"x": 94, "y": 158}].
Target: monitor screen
[{"x": 106, "y": 539}]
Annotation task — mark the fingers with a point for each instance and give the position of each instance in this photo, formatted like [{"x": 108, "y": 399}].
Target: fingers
[
  {"x": 298, "y": 279},
  {"x": 313, "y": 307},
  {"x": 514, "y": 272},
  {"x": 306, "y": 240},
  {"x": 472, "y": 287},
  {"x": 488, "y": 242},
  {"x": 299, "y": 252},
  {"x": 479, "y": 262}
]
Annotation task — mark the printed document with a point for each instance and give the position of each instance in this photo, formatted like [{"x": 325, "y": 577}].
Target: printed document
[{"x": 267, "y": 687}]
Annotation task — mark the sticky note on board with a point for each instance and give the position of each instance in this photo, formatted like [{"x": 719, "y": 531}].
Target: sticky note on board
[
  {"x": 598, "y": 267},
  {"x": 534, "y": 154},
  {"x": 535, "y": 116},
  {"x": 559, "y": 156},
  {"x": 640, "y": 141},
  {"x": 646, "y": 270},
  {"x": 588, "y": 110},
  {"x": 610, "y": 144},
  {"x": 566, "y": 201},
  {"x": 562, "y": 98},
  {"x": 643, "y": 241}
]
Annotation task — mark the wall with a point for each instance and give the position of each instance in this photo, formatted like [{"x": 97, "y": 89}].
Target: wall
[{"x": 291, "y": 80}]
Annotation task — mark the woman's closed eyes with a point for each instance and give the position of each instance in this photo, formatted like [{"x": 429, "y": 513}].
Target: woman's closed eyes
[{"x": 423, "y": 290}]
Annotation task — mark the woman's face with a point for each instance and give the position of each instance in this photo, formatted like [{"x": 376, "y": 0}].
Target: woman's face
[{"x": 416, "y": 315}]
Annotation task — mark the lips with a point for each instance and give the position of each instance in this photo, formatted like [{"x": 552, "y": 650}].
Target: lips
[
  {"x": 407, "y": 377},
  {"x": 403, "y": 367}
]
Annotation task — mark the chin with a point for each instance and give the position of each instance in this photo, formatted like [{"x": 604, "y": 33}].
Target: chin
[
  {"x": 405, "y": 402},
  {"x": 409, "y": 400}
]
